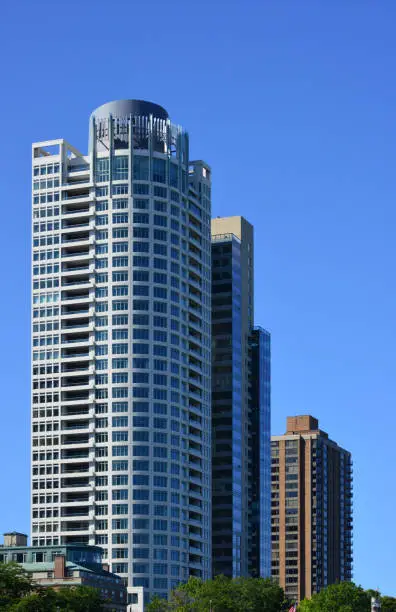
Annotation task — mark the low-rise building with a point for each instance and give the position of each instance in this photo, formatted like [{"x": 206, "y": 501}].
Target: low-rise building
[{"x": 65, "y": 566}]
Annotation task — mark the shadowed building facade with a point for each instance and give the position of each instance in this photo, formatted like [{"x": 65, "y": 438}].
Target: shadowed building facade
[{"x": 240, "y": 409}]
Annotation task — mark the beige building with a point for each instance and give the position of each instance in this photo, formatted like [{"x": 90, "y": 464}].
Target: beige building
[{"x": 311, "y": 509}]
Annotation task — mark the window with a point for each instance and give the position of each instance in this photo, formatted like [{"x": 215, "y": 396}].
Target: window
[
  {"x": 120, "y": 509},
  {"x": 120, "y": 436},
  {"x": 160, "y": 438},
  {"x": 101, "y": 206},
  {"x": 174, "y": 175},
  {"x": 120, "y": 232},
  {"x": 120, "y": 305},
  {"x": 120, "y": 451},
  {"x": 102, "y": 219},
  {"x": 141, "y": 232},
  {"x": 160, "y": 554},
  {"x": 141, "y": 480},
  {"x": 102, "y": 170},
  {"x": 140, "y": 538},
  {"x": 160, "y": 235},
  {"x": 119, "y": 363},
  {"x": 140, "y": 407},
  {"x": 120, "y": 319},
  {"x": 120, "y": 247},
  {"x": 120, "y": 422},
  {"x": 160, "y": 220},
  {"x": 160, "y": 192},
  {"x": 160, "y": 278},
  {"x": 139, "y": 348},
  {"x": 120, "y": 204},
  {"x": 160, "y": 525},
  {"x": 120, "y": 262},
  {"x": 159, "y": 170},
  {"x": 120, "y": 168},
  {"x": 140, "y": 261},
  {"x": 119, "y": 494},
  {"x": 101, "y": 249},
  {"x": 120, "y": 406},
  {"x": 140, "y": 218},
  {"x": 120, "y": 189},
  {"x": 119, "y": 392},
  {"x": 141, "y": 290},
  {"x": 120, "y": 217},
  {"x": 140, "y": 204},
  {"x": 120, "y": 348},
  {"x": 102, "y": 277},
  {"x": 141, "y": 189},
  {"x": 141, "y": 168},
  {"x": 120, "y": 466},
  {"x": 141, "y": 451},
  {"x": 120, "y": 480},
  {"x": 120, "y": 377}
]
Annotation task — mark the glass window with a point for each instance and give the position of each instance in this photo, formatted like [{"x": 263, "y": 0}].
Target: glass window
[
  {"x": 102, "y": 170},
  {"x": 120, "y": 168},
  {"x": 159, "y": 170},
  {"x": 141, "y": 168}
]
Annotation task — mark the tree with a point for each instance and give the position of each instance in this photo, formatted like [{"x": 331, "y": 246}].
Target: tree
[
  {"x": 343, "y": 597},
  {"x": 14, "y": 584},
  {"x": 223, "y": 595},
  {"x": 388, "y": 604},
  {"x": 69, "y": 599}
]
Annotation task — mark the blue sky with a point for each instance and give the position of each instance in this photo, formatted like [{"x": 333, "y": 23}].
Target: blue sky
[{"x": 292, "y": 103}]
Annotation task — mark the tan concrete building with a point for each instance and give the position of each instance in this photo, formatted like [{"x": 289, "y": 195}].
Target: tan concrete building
[{"x": 311, "y": 512}]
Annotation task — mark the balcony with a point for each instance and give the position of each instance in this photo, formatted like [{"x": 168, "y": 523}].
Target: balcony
[
  {"x": 75, "y": 526},
  {"x": 70, "y": 268},
  {"x": 68, "y": 468},
  {"x": 74, "y": 425},
  {"x": 77, "y": 238},
  {"x": 69, "y": 296},
  {"x": 73, "y": 193},
  {"x": 80, "y": 168},
  {"x": 76, "y": 324},
  {"x": 80, "y": 339},
  {"x": 73, "y": 454}
]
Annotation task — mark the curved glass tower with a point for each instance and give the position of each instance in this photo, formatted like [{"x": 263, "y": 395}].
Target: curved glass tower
[{"x": 121, "y": 345}]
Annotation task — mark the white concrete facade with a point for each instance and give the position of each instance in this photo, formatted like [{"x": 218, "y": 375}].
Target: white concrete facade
[{"x": 121, "y": 368}]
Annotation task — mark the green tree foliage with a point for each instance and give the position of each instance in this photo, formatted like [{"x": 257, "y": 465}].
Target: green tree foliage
[
  {"x": 388, "y": 604},
  {"x": 18, "y": 593},
  {"x": 14, "y": 584},
  {"x": 223, "y": 595},
  {"x": 343, "y": 597},
  {"x": 71, "y": 599}
]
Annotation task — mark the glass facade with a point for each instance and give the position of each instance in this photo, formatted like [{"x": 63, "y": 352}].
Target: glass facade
[
  {"x": 260, "y": 557},
  {"x": 126, "y": 365},
  {"x": 241, "y": 541}
]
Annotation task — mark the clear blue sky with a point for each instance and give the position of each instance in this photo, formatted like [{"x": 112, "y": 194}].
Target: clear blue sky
[{"x": 292, "y": 102}]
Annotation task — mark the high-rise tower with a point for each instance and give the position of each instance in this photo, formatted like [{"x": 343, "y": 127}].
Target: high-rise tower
[
  {"x": 311, "y": 509},
  {"x": 121, "y": 398},
  {"x": 241, "y": 409}
]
